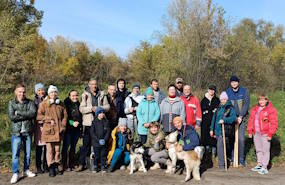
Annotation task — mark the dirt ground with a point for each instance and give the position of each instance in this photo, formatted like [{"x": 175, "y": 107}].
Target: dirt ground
[{"x": 241, "y": 176}]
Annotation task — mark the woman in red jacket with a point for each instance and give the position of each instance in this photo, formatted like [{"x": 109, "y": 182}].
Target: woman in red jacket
[{"x": 262, "y": 124}]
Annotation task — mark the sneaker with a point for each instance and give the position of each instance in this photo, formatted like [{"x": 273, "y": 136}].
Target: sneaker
[
  {"x": 123, "y": 167},
  {"x": 15, "y": 178},
  {"x": 28, "y": 173},
  {"x": 110, "y": 169},
  {"x": 95, "y": 170},
  {"x": 155, "y": 166},
  {"x": 256, "y": 168},
  {"x": 263, "y": 171},
  {"x": 140, "y": 169}
]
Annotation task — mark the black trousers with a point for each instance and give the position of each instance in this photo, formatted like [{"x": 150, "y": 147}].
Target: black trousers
[
  {"x": 85, "y": 149},
  {"x": 100, "y": 156},
  {"x": 41, "y": 151}
]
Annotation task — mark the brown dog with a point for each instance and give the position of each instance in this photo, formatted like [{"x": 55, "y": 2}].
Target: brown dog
[{"x": 191, "y": 159}]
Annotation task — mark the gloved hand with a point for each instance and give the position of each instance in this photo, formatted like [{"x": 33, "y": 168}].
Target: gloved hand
[{"x": 102, "y": 142}]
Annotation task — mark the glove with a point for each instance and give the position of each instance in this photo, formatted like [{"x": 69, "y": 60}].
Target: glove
[{"x": 102, "y": 142}]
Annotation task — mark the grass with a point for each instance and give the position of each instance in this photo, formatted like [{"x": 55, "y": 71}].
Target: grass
[{"x": 277, "y": 148}]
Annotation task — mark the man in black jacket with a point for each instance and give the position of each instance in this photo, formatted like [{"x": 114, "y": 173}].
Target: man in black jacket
[{"x": 100, "y": 133}]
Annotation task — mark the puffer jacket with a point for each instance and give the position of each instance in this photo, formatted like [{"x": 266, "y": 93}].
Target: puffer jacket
[
  {"x": 26, "y": 112},
  {"x": 86, "y": 106},
  {"x": 268, "y": 121},
  {"x": 56, "y": 112}
]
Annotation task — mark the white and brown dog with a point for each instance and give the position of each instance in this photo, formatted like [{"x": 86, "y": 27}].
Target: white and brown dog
[
  {"x": 191, "y": 159},
  {"x": 136, "y": 157}
]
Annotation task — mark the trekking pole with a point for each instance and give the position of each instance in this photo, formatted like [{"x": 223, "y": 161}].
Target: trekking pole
[
  {"x": 225, "y": 149},
  {"x": 236, "y": 146}
]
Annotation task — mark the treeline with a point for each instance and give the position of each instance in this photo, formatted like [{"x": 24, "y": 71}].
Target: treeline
[{"x": 199, "y": 44}]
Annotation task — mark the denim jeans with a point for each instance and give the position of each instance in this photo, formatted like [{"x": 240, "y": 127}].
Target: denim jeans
[
  {"x": 16, "y": 142},
  {"x": 70, "y": 140}
]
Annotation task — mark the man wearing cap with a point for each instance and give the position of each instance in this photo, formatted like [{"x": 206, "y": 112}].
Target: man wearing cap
[
  {"x": 131, "y": 106},
  {"x": 21, "y": 112},
  {"x": 179, "y": 87},
  {"x": 91, "y": 99},
  {"x": 240, "y": 98},
  {"x": 209, "y": 106},
  {"x": 192, "y": 108}
]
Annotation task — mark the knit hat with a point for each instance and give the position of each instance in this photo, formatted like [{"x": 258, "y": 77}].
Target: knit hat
[
  {"x": 177, "y": 119},
  {"x": 39, "y": 86},
  {"x": 99, "y": 110},
  {"x": 136, "y": 85},
  {"x": 52, "y": 88},
  {"x": 122, "y": 122},
  {"x": 224, "y": 96},
  {"x": 212, "y": 87},
  {"x": 234, "y": 78},
  {"x": 149, "y": 91},
  {"x": 179, "y": 80}
]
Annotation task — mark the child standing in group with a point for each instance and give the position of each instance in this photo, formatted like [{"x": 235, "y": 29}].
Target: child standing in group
[
  {"x": 119, "y": 154},
  {"x": 226, "y": 115},
  {"x": 262, "y": 125},
  {"x": 100, "y": 132}
]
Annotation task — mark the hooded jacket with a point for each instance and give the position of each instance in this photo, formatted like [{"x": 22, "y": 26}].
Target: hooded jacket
[
  {"x": 86, "y": 105},
  {"x": 120, "y": 99},
  {"x": 268, "y": 121}
]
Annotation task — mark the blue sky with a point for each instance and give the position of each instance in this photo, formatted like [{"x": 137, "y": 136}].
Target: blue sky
[{"x": 121, "y": 24}]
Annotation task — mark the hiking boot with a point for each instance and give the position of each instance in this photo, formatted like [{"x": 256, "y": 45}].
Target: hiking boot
[
  {"x": 58, "y": 169},
  {"x": 40, "y": 171},
  {"x": 51, "y": 171},
  {"x": 80, "y": 168},
  {"x": 110, "y": 169}
]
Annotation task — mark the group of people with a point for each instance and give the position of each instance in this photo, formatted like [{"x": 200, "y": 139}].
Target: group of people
[{"x": 109, "y": 122}]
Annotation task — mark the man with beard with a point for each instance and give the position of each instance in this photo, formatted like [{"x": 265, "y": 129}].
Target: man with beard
[{"x": 179, "y": 87}]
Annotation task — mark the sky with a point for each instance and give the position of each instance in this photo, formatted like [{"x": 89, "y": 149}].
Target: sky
[{"x": 120, "y": 25}]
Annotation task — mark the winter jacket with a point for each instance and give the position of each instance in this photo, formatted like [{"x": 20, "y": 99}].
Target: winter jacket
[
  {"x": 147, "y": 112},
  {"x": 114, "y": 141},
  {"x": 188, "y": 137},
  {"x": 222, "y": 113},
  {"x": 169, "y": 111},
  {"x": 150, "y": 142},
  {"x": 99, "y": 130},
  {"x": 240, "y": 100},
  {"x": 21, "y": 116},
  {"x": 73, "y": 114},
  {"x": 193, "y": 110},
  {"x": 159, "y": 96},
  {"x": 129, "y": 103},
  {"x": 38, "y": 127},
  {"x": 120, "y": 99},
  {"x": 86, "y": 105},
  {"x": 268, "y": 121},
  {"x": 56, "y": 112},
  {"x": 209, "y": 106}
]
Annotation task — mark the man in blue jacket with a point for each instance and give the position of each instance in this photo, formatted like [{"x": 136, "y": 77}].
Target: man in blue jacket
[
  {"x": 240, "y": 98},
  {"x": 187, "y": 136}
]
